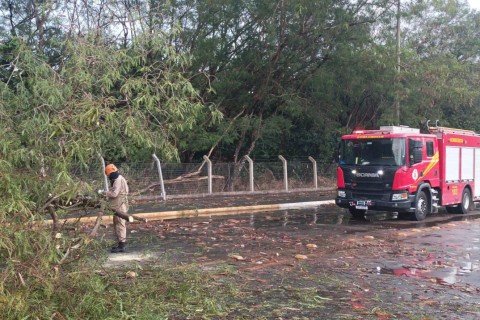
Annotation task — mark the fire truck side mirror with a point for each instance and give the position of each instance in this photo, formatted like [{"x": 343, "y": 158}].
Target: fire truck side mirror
[{"x": 337, "y": 152}]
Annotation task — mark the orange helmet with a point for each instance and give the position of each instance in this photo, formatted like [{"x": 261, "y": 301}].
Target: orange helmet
[{"x": 110, "y": 168}]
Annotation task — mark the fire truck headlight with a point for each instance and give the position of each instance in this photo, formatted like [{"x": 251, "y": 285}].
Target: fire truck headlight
[
  {"x": 399, "y": 196},
  {"x": 380, "y": 172},
  {"x": 342, "y": 194},
  {"x": 354, "y": 172}
]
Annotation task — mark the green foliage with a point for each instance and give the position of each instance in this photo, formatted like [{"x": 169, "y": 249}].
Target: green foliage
[
  {"x": 100, "y": 99},
  {"x": 121, "y": 102},
  {"x": 85, "y": 291},
  {"x": 441, "y": 65},
  {"x": 261, "y": 58}
]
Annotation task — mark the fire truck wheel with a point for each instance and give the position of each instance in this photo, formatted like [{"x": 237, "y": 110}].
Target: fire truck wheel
[
  {"x": 357, "y": 213},
  {"x": 466, "y": 204},
  {"x": 421, "y": 207}
]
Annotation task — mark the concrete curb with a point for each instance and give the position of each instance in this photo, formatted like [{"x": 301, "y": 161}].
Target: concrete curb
[{"x": 166, "y": 215}]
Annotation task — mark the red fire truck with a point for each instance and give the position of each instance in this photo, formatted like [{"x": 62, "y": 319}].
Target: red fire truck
[{"x": 399, "y": 169}]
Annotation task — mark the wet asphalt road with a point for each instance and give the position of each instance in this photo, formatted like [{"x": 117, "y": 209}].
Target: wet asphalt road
[{"x": 453, "y": 236}]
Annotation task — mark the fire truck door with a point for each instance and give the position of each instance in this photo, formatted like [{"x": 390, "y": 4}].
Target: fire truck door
[{"x": 415, "y": 150}]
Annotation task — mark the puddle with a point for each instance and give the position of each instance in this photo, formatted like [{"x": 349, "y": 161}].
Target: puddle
[
  {"x": 314, "y": 216},
  {"x": 441, "y": 273},
  {"x": 445, "y": 277},
  {"x": 318, "y": 216}
]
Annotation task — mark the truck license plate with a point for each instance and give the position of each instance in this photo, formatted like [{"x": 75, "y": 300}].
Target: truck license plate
[{"x": 362, "y": 204}]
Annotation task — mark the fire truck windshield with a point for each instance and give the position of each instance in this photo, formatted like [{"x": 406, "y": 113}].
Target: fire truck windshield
[{"x": 384, "y": 152}]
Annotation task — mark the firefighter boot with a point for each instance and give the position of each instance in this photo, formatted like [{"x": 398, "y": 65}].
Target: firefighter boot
[{"x": 118, "y": 249}]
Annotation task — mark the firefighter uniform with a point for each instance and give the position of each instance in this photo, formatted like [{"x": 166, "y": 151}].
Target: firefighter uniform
[{"x": 117, "y": 196}]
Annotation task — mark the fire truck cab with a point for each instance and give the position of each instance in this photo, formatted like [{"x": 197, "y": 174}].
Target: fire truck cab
[{"x": 399, "y": 169}]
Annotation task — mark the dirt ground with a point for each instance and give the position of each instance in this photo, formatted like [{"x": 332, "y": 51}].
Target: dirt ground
[{"x": 320, "y": 264}]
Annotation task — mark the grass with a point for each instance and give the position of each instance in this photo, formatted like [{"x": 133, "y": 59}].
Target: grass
[
  {"x": 34, "y": 285},
  {"x": 152, "y": 294}
]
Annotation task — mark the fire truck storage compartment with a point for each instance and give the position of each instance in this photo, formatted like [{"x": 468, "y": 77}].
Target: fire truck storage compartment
[
  {"x": 477, "y": 173},
  {"x": 452, "y": 164},
  {"x": 460, "y": 166},
  {"x": 467, "y": 164}
]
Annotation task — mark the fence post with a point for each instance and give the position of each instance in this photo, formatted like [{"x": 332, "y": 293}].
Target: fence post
[
  {"x": 250, "y": 172},
  {"x": 285, "y": 174},
  {"x": 160, "y": 176},
  {"x": 105, "y": 179},
  {"x": 315, "y": 178},
  {"x": 209, "y": 166}
]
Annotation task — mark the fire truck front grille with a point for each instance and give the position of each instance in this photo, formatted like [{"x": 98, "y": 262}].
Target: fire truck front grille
[
  {"x": 369, "y": 185},
  {"x": 370, "y": 196},
  {"x": 370, "y": 191}
]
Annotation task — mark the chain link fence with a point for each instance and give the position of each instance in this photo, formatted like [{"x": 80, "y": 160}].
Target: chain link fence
[{"x": 190, "y": 179}]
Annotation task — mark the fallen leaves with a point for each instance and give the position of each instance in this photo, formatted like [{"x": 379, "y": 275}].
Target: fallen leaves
[
  {"x": 357, "y": 306},
  {"x": 429, "y": 302},
  {"x": 202, "y": 258},
  {"x": 290, "y": 309},
  {"x": 382, "y": 314},
  {"x": 301, "y": 257}
]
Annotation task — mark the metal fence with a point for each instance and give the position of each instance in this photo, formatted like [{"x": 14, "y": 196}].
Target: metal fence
[{"x": 148, "y": 180}]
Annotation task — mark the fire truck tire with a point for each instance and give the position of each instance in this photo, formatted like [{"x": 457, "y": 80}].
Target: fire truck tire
[
  {"x": 466, "y": 204},
  {"x": 421, "y": 207},
  {"x": 357, "y": 213}
]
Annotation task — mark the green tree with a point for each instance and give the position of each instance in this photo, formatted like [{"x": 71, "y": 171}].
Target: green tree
[
  {"x": 56, "y": 115},
  {"x": 263, "y": 61},
  {"x": 441, "y": 65}
]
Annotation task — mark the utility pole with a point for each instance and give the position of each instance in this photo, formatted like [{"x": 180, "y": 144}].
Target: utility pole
[{"x": 397, "y": 82}]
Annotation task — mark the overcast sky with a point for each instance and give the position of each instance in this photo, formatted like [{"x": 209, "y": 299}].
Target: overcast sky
[{"x": 474, "y": 4}]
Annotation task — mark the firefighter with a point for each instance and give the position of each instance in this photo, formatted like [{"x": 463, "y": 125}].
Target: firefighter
[{"x": 117, "y": 196}]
